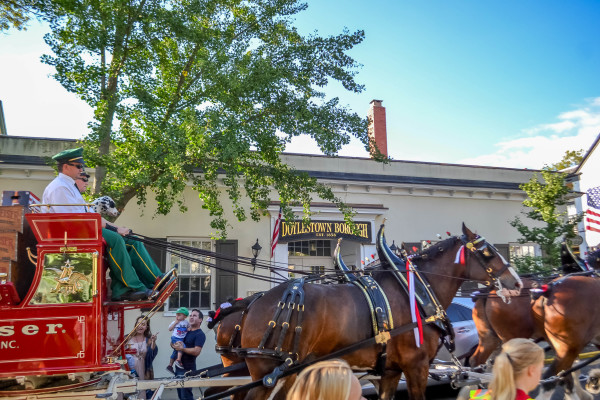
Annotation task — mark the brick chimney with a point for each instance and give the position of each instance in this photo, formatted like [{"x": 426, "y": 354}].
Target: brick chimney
[{"x": 377, "y": 128}]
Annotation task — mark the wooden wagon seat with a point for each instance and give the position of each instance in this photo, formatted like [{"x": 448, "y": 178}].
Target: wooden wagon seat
[{"x": 16, "y": 269}]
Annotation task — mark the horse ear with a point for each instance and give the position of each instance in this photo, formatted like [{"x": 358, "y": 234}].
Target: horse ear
[{"x": 467, "y": 232}]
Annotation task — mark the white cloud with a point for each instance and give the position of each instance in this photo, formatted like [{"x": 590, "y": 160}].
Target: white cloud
[
  {"x": 547, "y": 143},
  {"x": 303, "y": 144},
  {"x": 37, "y": 105}
]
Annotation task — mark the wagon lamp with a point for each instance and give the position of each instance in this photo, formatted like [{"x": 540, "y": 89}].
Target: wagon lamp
[{"x": 256, "y": 248}]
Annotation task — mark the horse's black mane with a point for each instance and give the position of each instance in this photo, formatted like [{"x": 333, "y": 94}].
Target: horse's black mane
[
  {"x": 237, "y": 305},
  {"x": 433, "y": 250}
]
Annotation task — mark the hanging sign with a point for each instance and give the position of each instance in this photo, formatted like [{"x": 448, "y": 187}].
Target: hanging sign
[{"x": 295, "y": 230}]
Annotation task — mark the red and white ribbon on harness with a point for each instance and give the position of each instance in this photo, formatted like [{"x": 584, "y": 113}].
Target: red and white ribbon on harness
[
  {"x": 460, "y": 256},
  {"x": 414, "y": 311}
]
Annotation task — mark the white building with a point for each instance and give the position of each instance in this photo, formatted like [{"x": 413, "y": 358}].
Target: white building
[
  {"x": 588, "y": 177},
  {"x": 417, "y": 199}
]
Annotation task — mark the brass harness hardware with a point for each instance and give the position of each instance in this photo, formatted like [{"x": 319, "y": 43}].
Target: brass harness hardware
[{"x": 32, "y": 257}]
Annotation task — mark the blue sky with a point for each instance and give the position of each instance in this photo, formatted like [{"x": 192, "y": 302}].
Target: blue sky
[{"x": 500, "y": 83}]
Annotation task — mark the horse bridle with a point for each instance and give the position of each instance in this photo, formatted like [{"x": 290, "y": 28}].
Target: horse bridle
[{"x": 484, "y": 255}]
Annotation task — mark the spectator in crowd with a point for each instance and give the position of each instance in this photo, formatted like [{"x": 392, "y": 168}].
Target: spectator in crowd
[
  {"x": 142, "y": 346},
  {"x": 517, "y": 371},
  {"x": 326, "y": 380},
  {"x": 190, "y": 347}
]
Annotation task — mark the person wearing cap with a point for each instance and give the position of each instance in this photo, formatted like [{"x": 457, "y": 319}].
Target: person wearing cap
[
  {"x": 82, "y": 182},
  {"x": 132, "y": 270},
  {"x": 191, "y": 347},
  {"x": 63, "y": 189},
  {"x": 179, "y": 327}
]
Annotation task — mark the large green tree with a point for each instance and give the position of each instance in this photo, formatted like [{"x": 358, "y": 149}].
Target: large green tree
[
  {"x": 17, "y": 13},
  {"x": 547, "y": 196},
  {"x": 203, "y": 92}
]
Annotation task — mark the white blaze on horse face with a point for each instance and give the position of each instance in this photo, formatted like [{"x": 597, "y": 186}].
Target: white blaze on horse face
[
  {"x": 513, "y": 273},
  {"x": 518, "y": 279}
]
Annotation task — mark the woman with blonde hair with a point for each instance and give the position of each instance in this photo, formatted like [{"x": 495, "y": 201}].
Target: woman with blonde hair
[
  {"x": 326, "y": 380},
  {"x": 517, "y": 371}
]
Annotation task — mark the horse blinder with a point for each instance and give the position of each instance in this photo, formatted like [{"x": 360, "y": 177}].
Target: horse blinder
[{"x": 484, "y": 255}]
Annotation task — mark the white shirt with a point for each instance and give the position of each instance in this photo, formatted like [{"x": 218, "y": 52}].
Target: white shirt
[{"x": 62, "y": 190}]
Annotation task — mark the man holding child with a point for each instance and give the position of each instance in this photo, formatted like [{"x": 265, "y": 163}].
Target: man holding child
[{"x": 190, "y": 347}]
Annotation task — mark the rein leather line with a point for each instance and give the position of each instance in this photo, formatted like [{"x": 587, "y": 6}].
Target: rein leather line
[{"x": 339, "y": 353}]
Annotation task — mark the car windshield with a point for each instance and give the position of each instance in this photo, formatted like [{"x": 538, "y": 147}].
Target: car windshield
[{"x": 457, "y": 313}]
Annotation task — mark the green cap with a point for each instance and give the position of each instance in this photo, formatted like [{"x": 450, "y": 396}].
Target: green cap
[
  {"x": 71, "y": 155},
  {"x": 182, "y": 310}
]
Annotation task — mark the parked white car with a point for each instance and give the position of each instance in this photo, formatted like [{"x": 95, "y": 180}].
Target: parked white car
[{"x": 460, "y": 313}]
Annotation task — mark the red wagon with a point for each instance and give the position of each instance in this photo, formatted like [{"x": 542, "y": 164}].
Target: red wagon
[{"x": 57, "y": 325}]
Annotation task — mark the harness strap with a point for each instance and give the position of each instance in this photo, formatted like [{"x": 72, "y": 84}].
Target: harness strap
[
  {"x": 294, "y": 290},
  {"x": 381, "y": 360},
  {"x": 369, "y": 303},
  {"x": 271, "y": 324},
  {"x": 298, "y": 367},
  {"x": 238, "y": 326},
  {"x": 381, "y": 314},
  {"x": 298, "y": 330}
]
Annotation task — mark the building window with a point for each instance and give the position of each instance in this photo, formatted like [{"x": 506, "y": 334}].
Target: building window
[
  {"x": 194, "y": 286},
  {"x": 314, "y": 248},
  {"x": 317, "y": 269},
  {"x": 518, "y": 250}
]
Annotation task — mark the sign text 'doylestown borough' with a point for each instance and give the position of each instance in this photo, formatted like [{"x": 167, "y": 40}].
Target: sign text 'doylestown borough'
[{"x": 296, "y": 230}]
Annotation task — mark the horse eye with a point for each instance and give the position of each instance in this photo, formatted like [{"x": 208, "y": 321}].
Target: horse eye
[{"x": 486, "y": 252}]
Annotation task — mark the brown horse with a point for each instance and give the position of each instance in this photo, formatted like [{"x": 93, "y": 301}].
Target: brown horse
[
  {"x": 337, "y": 316},
  {"x": 568, "y": 314},
  {"x": 498, "y": 321},
  {"x": 228, "y": 322}
]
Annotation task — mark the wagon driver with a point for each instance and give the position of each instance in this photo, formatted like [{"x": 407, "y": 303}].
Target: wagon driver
[{"x": 132, "y": 270}]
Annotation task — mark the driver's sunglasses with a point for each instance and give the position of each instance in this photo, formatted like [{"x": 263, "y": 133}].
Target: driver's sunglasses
[
  {"x": 83, "y": 179},
  {"x": 78, "y": 166}
]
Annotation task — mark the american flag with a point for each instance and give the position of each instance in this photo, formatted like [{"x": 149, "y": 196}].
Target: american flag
[
  {"x": 592, "y": 215},
  {"x": 33, "y": 199},
  {"x": 275, "y": 237}
]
